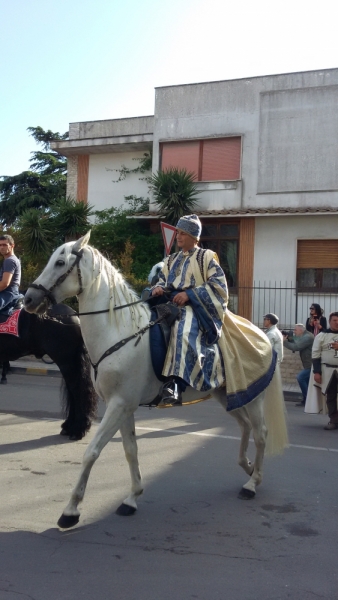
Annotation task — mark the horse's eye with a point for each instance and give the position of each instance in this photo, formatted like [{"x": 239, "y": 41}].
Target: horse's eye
[{"x": 60, "y": 263}]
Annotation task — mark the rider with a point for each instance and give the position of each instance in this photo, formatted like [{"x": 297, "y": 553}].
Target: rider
[
  {"x": 196, "y": 283},
  {"x": 10, "y": 272}
]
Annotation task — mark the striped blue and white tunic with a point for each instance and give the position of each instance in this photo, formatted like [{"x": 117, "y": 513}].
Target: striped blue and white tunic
[{"x": 194, "y": 353}]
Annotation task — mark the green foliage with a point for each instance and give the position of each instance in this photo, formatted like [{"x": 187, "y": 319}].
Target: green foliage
[
  {"x": 38, "y": 188},
  {"x": 70, "y": 218},
  {"x": 174, "y": 191},
  {"x": 144, "y": 167},
  {"x": 36, "y": 234},
  {"x": 43, "y": 137},
  {"x": 114, "y": 233}
]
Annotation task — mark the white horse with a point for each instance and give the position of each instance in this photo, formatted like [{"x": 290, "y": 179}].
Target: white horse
[
  {"x": 125, "y": 378},
  {"x": 155, "y": 270}
]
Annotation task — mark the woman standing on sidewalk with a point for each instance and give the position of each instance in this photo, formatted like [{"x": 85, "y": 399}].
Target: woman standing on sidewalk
[{"x": 316, "y": 322}]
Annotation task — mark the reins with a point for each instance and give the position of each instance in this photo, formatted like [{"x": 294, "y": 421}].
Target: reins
[{"x": 123, "y": 342}]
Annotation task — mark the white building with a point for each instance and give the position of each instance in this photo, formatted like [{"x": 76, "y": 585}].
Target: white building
[{"x": 264, "y": 151}]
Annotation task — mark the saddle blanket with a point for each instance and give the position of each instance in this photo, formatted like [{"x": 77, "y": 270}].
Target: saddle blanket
[{"x": 10, "y": 326}]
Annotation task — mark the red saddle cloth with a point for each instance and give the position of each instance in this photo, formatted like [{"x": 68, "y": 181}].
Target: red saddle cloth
[{"x": 11, "y": 325}]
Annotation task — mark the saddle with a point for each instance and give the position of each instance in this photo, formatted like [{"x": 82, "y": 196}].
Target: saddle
[
  {"x": 160, "y": 334},
  {"x": 10, "y": 308},
  {"x": 9, "y": 324}
]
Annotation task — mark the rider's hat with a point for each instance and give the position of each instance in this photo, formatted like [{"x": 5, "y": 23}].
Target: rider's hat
[{"x": 190, "y": 224}]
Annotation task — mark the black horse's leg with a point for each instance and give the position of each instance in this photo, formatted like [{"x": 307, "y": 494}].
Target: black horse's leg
[
  {"x": 5, "y": 370},
  {"x": 79, "y": 397}
]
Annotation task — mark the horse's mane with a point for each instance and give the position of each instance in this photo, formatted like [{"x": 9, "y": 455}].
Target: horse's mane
[{"x": 104, "y": 274}]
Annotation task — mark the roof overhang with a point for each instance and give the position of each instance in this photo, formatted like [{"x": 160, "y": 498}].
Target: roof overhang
[
  {"x": 233, "y": 213},
  {"x": 104, "y": 145}
]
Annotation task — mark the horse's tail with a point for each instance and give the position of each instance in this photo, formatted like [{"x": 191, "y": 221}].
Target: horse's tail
[
  {"x": 79, "y": 399},
  {"x": 275, "y": 416}
]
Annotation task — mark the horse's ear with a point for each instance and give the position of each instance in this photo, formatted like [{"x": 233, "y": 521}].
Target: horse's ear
[{"x": 83, "y": 241}]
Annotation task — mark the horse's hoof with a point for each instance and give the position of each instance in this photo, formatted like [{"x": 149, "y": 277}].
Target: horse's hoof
[
  {"x": 75, "y": 437},
  {"x": 124, "y": 510},
  {"x": 66, "y": 521},
  {"x": 64, "y": 432},
  {"x": 4, "y": 381},
  {"x": 245, "y": 494}
]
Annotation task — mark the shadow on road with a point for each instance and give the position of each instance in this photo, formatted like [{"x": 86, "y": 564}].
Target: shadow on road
[{"x": 43, "y": 442}]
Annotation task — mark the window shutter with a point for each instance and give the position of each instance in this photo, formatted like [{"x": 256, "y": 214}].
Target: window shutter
[
  {"x": 183, "y": 155},
  {"x": 317, "y": 254},
  {"x": 221, "y": 159},
  {"x": 82, "y": 177}
]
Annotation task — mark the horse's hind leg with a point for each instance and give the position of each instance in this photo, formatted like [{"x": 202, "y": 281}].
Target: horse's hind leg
[
  {"x": 244, "y": 422},
  {"x": 255, "y": 411},
  {"x": 245, "y": 425},
  {"x": 250, "y": 417},
  {"x": 127, "y": 429}
]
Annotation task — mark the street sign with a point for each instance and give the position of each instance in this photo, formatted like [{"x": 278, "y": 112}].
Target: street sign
[{"x": 168, "y": 233}]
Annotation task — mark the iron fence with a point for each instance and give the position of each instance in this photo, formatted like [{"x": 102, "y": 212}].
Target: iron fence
[{"x": 286, "y": 301}]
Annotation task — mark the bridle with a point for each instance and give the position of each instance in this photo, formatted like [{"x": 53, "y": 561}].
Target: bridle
[{"x": 48, "y": 293}]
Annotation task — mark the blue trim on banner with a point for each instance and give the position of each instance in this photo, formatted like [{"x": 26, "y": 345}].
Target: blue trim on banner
[{"x": 240, "y": 399}]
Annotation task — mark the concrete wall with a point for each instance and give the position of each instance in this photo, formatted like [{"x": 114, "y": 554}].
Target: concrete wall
[
  {"x": 103, "y": 193},
  {"x": 275, "y": 261},
  {"x": 288, "y": 124},
  {"x": 280, "y": 235}
]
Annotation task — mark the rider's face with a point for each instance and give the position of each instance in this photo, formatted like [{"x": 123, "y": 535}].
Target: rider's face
[{"x": 184, "y": 241}]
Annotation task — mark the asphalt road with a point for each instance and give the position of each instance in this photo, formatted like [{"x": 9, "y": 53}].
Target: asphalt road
[{"x": 191, "y": 537}]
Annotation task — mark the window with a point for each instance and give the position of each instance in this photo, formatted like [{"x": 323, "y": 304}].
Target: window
[
  {"x": 223, "y": 239},
  {"x": 317, "y": 265},
  {"x": 217, "y": 159}
]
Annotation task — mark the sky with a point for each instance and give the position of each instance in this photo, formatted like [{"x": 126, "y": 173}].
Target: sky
[{"x": 81, "y": 60}]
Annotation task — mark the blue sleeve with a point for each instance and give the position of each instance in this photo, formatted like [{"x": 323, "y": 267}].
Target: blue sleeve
[{"x": 9, "y": 265}]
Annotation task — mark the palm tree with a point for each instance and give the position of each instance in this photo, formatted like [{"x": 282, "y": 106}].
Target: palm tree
[
  {"x": 70, "y": 218},
  {"x": 36, "y": 233},
  {"x": 174, "y": 191}
]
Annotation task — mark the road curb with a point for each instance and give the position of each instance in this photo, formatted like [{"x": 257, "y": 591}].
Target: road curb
[
  {"x": 293, "y": 396},
  {"x": 35, "y": 371}
]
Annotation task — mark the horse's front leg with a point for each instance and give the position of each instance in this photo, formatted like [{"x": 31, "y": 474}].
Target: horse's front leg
[
  {"x": 116, "y": 413},
  {"x": 127, "y": 429}
]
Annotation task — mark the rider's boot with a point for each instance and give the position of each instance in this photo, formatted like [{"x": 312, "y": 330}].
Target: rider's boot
[{"x": 170, "y": 394}]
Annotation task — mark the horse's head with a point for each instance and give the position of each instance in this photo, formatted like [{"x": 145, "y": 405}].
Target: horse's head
[{"x": 60, "y": 279}]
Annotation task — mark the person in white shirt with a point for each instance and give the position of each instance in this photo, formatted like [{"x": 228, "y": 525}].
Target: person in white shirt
[
  {"x": 325, "y": 367},
  {"x": 274, "y": 335}
]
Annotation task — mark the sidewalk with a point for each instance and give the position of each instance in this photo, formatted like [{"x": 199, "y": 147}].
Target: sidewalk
[
  {"x": 292, "y": 389},
  {"x": 35, "y": 366}
]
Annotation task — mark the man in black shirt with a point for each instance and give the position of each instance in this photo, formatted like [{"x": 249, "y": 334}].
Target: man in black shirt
[{"x": 10, "y": 272}]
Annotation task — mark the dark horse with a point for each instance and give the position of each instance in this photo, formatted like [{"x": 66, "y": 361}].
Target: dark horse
[{"x": 61, "y": 339}]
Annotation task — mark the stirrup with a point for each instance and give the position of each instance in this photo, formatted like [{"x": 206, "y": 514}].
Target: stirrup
[{"x": 170, "y": 395}]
